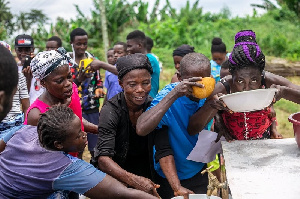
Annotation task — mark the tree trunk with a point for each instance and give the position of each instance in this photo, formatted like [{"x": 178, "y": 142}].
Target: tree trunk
[{"x": 104, "y": 27}]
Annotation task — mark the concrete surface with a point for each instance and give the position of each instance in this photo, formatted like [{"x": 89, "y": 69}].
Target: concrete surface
[{"x": 263, "y": 169}]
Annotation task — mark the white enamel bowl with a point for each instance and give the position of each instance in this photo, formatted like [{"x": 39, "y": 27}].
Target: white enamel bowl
[{"x": 247, "y": 101}]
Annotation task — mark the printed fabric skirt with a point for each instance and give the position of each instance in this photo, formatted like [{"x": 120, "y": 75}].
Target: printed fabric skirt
[{"x": 8, "y": 124}]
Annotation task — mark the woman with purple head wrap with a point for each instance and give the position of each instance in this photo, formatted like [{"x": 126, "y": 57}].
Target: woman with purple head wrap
[{"x": 246, "y": 65}]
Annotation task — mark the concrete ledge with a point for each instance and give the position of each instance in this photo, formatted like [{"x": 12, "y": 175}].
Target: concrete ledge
[{"x": 263, "y": 169}]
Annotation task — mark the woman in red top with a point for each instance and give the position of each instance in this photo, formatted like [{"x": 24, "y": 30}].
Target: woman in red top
[
  {"x": 52, "y": 68},
  {"x": 246, "y": 65}
]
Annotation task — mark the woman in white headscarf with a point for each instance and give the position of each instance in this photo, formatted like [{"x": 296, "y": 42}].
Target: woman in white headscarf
[{"x": 52, "y": 68}]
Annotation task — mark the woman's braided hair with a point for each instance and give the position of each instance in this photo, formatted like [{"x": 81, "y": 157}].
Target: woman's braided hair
[
  {"x": 246, "y": 52},
  {"x": 53, "y": 125}
]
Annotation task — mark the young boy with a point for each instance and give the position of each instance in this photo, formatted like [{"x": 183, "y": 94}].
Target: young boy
[
  {"x": 53, "y": 43},
  {"x": 90, "y": 85},
  {"x": 111, "y": 80},
  {"x": 176, "y": 107},
  {"x": 110, "y": 56},
  {"x": 136, "y": 43}
]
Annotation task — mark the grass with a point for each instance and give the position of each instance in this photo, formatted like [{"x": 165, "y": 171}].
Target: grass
[
  {"x": 284, "y": 109},
  {"x": 165, "y": 77}
]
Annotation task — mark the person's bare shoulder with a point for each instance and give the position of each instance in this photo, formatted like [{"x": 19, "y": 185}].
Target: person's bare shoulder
[
  {"x": 33, "y": 116},
  {"x": 220, "y": 88}
]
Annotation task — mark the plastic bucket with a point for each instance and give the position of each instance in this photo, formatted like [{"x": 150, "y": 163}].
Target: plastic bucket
[{"x": 295, "y": 120}]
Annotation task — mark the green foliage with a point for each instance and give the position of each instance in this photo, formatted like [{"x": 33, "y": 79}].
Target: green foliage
[
  {"x": 277, "y": 31},
  {"x": 26, "y": 20},
  {"x": 119, "y": 13},
  {"x": 6, "y": 20},
  {"x": 98, "y": 52},
  {"x": 3, "y": 33},
  {"x": 165, "y": 56},
  {"x": 284, "y": 109},
  {"x": 287, "y": 106},
  {"x": 142, "y": 8},
  {"x": 174, "y": 31},
  {"x": 267, "y": 5},
  {"x": 293, "y": 5}
]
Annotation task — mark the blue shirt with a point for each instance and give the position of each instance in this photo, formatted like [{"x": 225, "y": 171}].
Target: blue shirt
[
  {"x": 215, "y": 70},
  {"x": 112, "y": 84},
  {"x": 28, "y": 170},
  {"x": 177, "y": 119},
  {"x": 154, "y": 76}
]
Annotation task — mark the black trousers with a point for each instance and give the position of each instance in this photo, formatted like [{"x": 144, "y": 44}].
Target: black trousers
[{"x": 198, "y": 184}]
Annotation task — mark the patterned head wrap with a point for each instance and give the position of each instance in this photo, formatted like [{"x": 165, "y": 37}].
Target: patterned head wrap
[{"x": 45, "y": 62}]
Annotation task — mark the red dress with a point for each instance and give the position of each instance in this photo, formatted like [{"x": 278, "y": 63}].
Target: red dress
[{"x": 248, "y": 125}]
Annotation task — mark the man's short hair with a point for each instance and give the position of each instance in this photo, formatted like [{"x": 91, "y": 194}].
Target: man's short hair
[
  {"x": 192, "y": 60},
  {"x": 150, "y": 44},
  {"x": 77, "y": 32},
  {"x": 57, "y": 39},
  {"x": 121, "y": 44},
  {"x": 138, "y": 36}
]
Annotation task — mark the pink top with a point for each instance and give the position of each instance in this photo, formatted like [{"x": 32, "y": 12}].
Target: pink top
[{"x": 74, "y": 105}]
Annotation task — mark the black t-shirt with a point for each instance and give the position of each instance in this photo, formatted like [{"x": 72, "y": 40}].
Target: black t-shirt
[{"x": 118, "y": 139}]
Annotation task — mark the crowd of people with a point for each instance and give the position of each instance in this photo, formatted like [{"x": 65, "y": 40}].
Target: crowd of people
[{"x": 139, "y": 139}]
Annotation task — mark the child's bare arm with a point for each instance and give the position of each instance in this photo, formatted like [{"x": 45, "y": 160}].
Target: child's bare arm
[
  {"x": 221, "y": 129},
  {"x": 273, "y": 128},
  {"x": 273, "y": 131}
]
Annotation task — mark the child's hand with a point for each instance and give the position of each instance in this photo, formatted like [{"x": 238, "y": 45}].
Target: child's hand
[
  {"x": 182, "y": 191},
  {"x": 185, "y": 87},
  {"x": 27, "y": 73},
  {"x": 99, "y": 93},
  {"x": 276, "y": 135},
  {"x": 278, "y": 95},
  {"x": 96, "y": 64},
  {"x": 218, "y": 103},
  {"x": 83, "y": 73}
]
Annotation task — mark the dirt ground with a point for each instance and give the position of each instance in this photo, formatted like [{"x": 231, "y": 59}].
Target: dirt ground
[{"x": 86, "y": 155}]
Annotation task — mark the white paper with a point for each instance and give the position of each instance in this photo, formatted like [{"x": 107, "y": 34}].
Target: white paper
[{"x": 206, "y": 148}]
